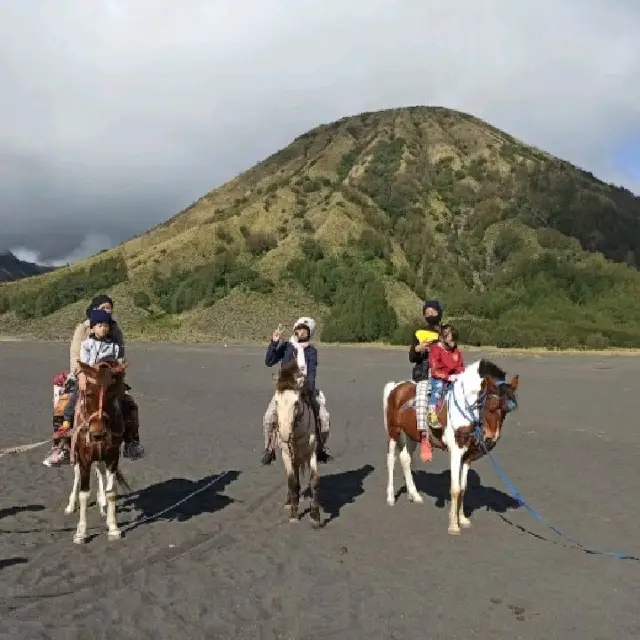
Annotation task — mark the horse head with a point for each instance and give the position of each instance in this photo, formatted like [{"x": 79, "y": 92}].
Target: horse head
[
  {"x": 289, "y": 382},
  {"x": 497, "y": 399},
  {"x": 104, "y": 384}
]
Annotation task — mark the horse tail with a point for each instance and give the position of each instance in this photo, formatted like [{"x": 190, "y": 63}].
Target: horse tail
[
  {"x": 388, "y": 388},
  {"x": 121, "y": 480}
]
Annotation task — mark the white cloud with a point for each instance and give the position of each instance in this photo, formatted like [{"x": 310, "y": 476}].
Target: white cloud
[{"x": 143, "y": 106}]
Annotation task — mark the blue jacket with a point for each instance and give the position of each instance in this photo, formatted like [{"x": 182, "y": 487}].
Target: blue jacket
[{"x": 284, "y": 352}]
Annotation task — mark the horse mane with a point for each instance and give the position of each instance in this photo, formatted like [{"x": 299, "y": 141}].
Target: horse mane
[
  {"x": 288, "y": 378},
  {"x": 487, "y": 369}
]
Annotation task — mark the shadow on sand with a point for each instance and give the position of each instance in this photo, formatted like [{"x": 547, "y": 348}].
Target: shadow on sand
[
  {"x": 10, "y": 562},
  {"x": 340, "y": 489},
  {"x": 14, "y": 511},
  {"x": 477, "y": 496},
  {"x": 179, "y": 499}
]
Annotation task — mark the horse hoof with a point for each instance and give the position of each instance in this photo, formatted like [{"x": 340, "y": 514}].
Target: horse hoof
[
  {"x": 454, "y": 531},
  {"x": 69, "y": 510},
  {"x": 465, "y": 524},
  {"x": 316, "y": 524},
  {"x": 103, "y": 512},
  {"x": 114, "y": 535},
  {"x": 292, "y": 520},
  {"x": 391, "y": 501},
  {"x": 417, "y": 499},
  {"x": 79, "y": 539}
]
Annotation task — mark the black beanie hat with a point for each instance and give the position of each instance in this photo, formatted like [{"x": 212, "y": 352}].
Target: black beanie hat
[{"x": 97, "y": 301}]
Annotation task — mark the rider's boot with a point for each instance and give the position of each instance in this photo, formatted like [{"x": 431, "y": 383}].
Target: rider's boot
[
  {"x": 322, "y": 455},
  {"x": 132, "y": 448}
]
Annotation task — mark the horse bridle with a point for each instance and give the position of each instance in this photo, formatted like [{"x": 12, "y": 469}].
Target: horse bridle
[
  {"x": 101, "y": 414},
  {"x": 481, "y": 405}
]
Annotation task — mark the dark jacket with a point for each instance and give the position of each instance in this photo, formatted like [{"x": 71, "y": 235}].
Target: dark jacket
[
  {"x": 284, "y": 352},
  {"x": 420, "y": 361}
]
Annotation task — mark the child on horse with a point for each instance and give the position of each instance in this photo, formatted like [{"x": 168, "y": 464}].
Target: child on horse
[
  {"x": 85, "y": 337},
  {"x": 300, "y": 349},
  {"x": 419, "y": 357},
  {"x": 445, "y": 365}
]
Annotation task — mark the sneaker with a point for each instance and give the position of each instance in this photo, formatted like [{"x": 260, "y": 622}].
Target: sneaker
[
  {"x": 133, "y": 450},
  {"x": 55, "y": 457},
  {"x": 268, "y": 456},
  {"x": 426, "y": 450},
  {"x": 322, "y": 455},
  {"x": 62, "y": 431},
  {"x": 432, "y": 416}
]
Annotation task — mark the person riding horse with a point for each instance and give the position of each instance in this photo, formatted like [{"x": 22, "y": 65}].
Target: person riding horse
[
  {"x": 298, "y": 348},
  {"x": 419, "y": 357},
  {"x": 132, "y": 447}
]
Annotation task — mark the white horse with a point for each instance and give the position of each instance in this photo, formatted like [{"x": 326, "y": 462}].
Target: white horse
[
  {"x": 472, "y": 415},
  {"x": 297, "y": 438}
]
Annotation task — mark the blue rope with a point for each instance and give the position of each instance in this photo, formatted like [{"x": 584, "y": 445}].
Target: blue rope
[{"x": 516, "y": 495}]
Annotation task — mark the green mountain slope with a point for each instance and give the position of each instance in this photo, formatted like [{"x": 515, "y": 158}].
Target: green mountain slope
[{"x": 355, "y": 222}]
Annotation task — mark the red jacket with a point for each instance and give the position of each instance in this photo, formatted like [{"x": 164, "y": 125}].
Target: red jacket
[{"x": 443, "y": 363}]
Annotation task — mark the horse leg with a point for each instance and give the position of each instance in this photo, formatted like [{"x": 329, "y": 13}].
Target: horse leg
[
  {"x": 291, "y": 504},
  {"x": 454, "y": 509},
  {"x": 391, "y": 460},
  {"x": 73, "y": 498},
  {"x": 295, "y": 491},
  {"x": 83, "y": 496},
  {"x": 406, "y": 452},
  {"x": 101, "y": 473},
  {"x": 110, "y": 491},
  {"x": 462, "y": 519},
  {"x": 314, "y": 484}
]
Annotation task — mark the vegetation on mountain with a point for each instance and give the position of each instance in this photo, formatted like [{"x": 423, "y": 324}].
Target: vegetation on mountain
[{"x": 358, "y": 220}]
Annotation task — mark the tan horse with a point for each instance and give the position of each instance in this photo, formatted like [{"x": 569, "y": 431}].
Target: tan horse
[
  {"x": 297, "y": 438},
  {"x": 97, "y": 437},
  {"x": 471, "y": 416}
]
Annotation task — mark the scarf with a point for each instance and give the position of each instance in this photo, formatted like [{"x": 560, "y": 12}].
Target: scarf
[{"x": 300, "y": 359}]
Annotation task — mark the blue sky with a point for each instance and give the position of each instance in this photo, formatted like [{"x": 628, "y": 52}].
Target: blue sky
[{"x": 626, "y": 159}]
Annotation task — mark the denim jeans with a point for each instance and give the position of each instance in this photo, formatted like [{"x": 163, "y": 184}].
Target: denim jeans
[{"x": 438, "y": 388}]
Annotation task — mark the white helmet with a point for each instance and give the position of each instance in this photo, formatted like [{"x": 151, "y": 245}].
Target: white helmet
[{"x": 310, "y": 323}]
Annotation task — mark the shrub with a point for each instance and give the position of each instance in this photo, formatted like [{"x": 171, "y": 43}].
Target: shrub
[
  {"x": 259, "y": 243},
  {"x": 141, "y": 300}
]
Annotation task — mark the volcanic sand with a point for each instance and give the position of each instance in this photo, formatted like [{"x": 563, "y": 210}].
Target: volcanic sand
[{"x": 227, "y": 564}]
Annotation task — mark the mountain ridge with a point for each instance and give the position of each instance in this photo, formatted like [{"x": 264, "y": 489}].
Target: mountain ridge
[
  {"x": 12, "y": 268},
  {"x": 356, "y": 221}
]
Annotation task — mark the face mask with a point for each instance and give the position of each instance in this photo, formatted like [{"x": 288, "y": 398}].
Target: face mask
[{"x": 432, "y": 320}]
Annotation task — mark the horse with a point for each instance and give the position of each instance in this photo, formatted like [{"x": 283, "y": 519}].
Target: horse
[
  {"x": 297, "y": 438},
  {"x": 471, "y": 414},
  {"x": 97, "y": 437}
]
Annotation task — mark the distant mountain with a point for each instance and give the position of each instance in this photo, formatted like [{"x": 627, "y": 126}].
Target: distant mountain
[
  {"x": 355, "y": 222},
  {"x": 13, "y": 269}
]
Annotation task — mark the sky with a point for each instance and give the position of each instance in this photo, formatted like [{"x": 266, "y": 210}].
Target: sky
[{"x": 117, "y": 114}]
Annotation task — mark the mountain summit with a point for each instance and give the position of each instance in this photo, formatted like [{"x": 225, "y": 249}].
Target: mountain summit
[{"x": 355, "y": 222}]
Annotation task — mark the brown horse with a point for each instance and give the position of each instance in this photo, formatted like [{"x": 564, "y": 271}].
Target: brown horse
[
  {"x": 297, "y": 438},
  {"x": 471, "y": 416},
  {"x": 97, "y": 437}
]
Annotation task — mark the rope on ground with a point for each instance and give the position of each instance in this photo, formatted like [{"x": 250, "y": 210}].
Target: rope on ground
[
  {"x": 516, "y": 495},
  {"x": 8, "y": 451},
  {"x": 153, "y": 516}
]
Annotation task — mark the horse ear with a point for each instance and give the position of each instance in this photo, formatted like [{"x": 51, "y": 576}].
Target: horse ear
[
  {"x": 84, "y": 367},
  {"x": 513, "y": 383}
]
